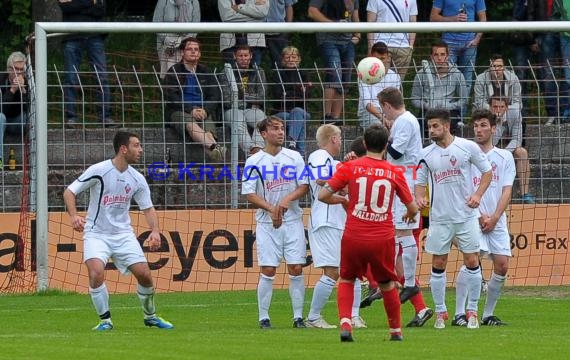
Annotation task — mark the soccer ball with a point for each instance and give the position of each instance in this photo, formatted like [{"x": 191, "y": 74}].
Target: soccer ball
[{"x": 371, "y": 70}]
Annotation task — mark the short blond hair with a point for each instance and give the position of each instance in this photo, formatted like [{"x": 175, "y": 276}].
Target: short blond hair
[
  {"x": 325, "y": 133},
  {"x": 290, "y": 49}
]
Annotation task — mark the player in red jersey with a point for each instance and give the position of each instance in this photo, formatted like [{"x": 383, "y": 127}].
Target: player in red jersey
[{"x": 369, "y": 233}]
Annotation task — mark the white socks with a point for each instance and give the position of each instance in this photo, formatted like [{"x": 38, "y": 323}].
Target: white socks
[
  {"x": 495, "y": 285},
  {"x": 264, "y": 294},
  {"x": 321, "y": 295},
  {"x": 357, "y": 298},
  {"x": 437, "y": 284},
  {"x": 146, "y": 296},
  {"x": 100, "y": 299},
  {"x": 297, "y": 294}
]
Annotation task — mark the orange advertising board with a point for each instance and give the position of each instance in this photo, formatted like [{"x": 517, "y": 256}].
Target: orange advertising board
[{"x": 210, "y": 250}]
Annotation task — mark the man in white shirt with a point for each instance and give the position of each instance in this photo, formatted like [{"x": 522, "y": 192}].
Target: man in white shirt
[
  {"x": 369, "y": 110},
  {"x": 326, "y": 225},
  {"x": 107, "y": 229},
  {"x": 446, "y": 165},
  {"x": 496, "y": 239},
  {"x": 404, "y": 147},
  {"x": 273, "y": 182},
  {"x": 400, "y": 45}
]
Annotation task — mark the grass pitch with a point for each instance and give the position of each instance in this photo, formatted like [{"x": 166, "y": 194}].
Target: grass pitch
[{"x": 223, "y": 325}]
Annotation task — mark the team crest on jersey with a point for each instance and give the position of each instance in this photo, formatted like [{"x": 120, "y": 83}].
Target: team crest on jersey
[
  {"x": 453, "y": 160},
  {"x": 494, "y": 166},
  {"x": 128, "y": 188}
]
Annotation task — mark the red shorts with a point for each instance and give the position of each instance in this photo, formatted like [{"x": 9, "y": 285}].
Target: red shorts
[{"x": 356, "y": 255}]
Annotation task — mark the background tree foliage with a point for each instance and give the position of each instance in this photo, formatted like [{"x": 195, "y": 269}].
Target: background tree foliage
[{"x": 20, "y": 15}]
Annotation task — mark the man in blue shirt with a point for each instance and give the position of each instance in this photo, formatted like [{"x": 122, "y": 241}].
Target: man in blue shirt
[{"x": 462, "y": 46}]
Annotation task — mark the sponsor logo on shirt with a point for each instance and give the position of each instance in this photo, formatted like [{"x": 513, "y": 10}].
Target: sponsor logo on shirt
[
  {"x": 116, "y": 199},
  {"x": 444, "y": 175}
]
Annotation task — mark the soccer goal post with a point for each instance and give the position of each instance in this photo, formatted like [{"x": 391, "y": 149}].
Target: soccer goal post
[{"x": 540, "y": 239}]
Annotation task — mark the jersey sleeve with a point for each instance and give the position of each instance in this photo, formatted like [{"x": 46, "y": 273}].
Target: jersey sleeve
[
  {"x": 509, "y": 170},
  {"x": 251, "y": 175},
  {"x": 341, "y": 177},
  {"x": 478, "y": 158},
  {"x": 142, "y": 195},
  {"x": 320, "y": 166},
  {"x": 422, "y": 170},
  {"x": 85, "y": 181},
  {"x": 401, "y": 135},
  {"x": 300, "y": 169}
]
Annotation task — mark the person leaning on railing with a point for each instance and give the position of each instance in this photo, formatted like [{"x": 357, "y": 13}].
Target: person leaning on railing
[
  {"x": 14, "y": 103},
  {"x": 290, "y": 90}
]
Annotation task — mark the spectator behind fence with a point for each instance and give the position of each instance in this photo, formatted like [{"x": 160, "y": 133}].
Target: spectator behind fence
[
  {"x": 168, "y": 44},
  {"x": 462, "y": 46},
  {"x": 15, "y": 99},
  {"x": 400, "y": 45},
  {"x": 193, "y": 95},
  {"x": 498, "y": 81},
  {"x": 508, "y": 135},
  {"x": 548, "y": 44},
  {"x": 280, "y": 11},
  {"x": 562, "y": 10},
  {"x": 244, "y": 116},
  {"x": 290, "y": 90},
  {"x": 74, "y": 46},
  {"x": 369, "y": 109},
  {"x": 337, "y": 51},
  {"x": 243, "y": 11},
  {"x": 440, "y": 85},
  {"x": 525, "y": 48}
]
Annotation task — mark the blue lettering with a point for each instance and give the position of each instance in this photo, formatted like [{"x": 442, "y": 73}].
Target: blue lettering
[
  {"x": 206, "y": 170},
  {"x": 250, "y": 173},
  {"x": 320, "y": 175},
  {"x": 185, "y": 171},
  {"x": 306, "y": 173},
  {"x": 286, "y": 174},
  {"x": 225, "y": 172},
  {"x": 265, "y": 172}
]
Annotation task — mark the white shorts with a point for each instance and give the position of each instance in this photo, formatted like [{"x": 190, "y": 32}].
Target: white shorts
[
  {"x": 325, "y": 246},
  {"x": 497, "y": 242},
  {"x": 123, "y": 248},
  {"x": 468, "y": 236},
  {"x": 287, "y": 242}
]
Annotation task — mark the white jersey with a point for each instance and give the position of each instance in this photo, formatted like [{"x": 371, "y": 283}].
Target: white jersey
[
  {"x": 449, "y": 173},
  {"x": 368, "y": 94},
  {"x": 407, "y": 140},
  {"x": 504, "y": 172},
  {"x": 393, "y": 11},
  {"x": 274, "y": 177},
  {"x": 110, "y": 194},
  {"x": 322, "y": 166}
]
